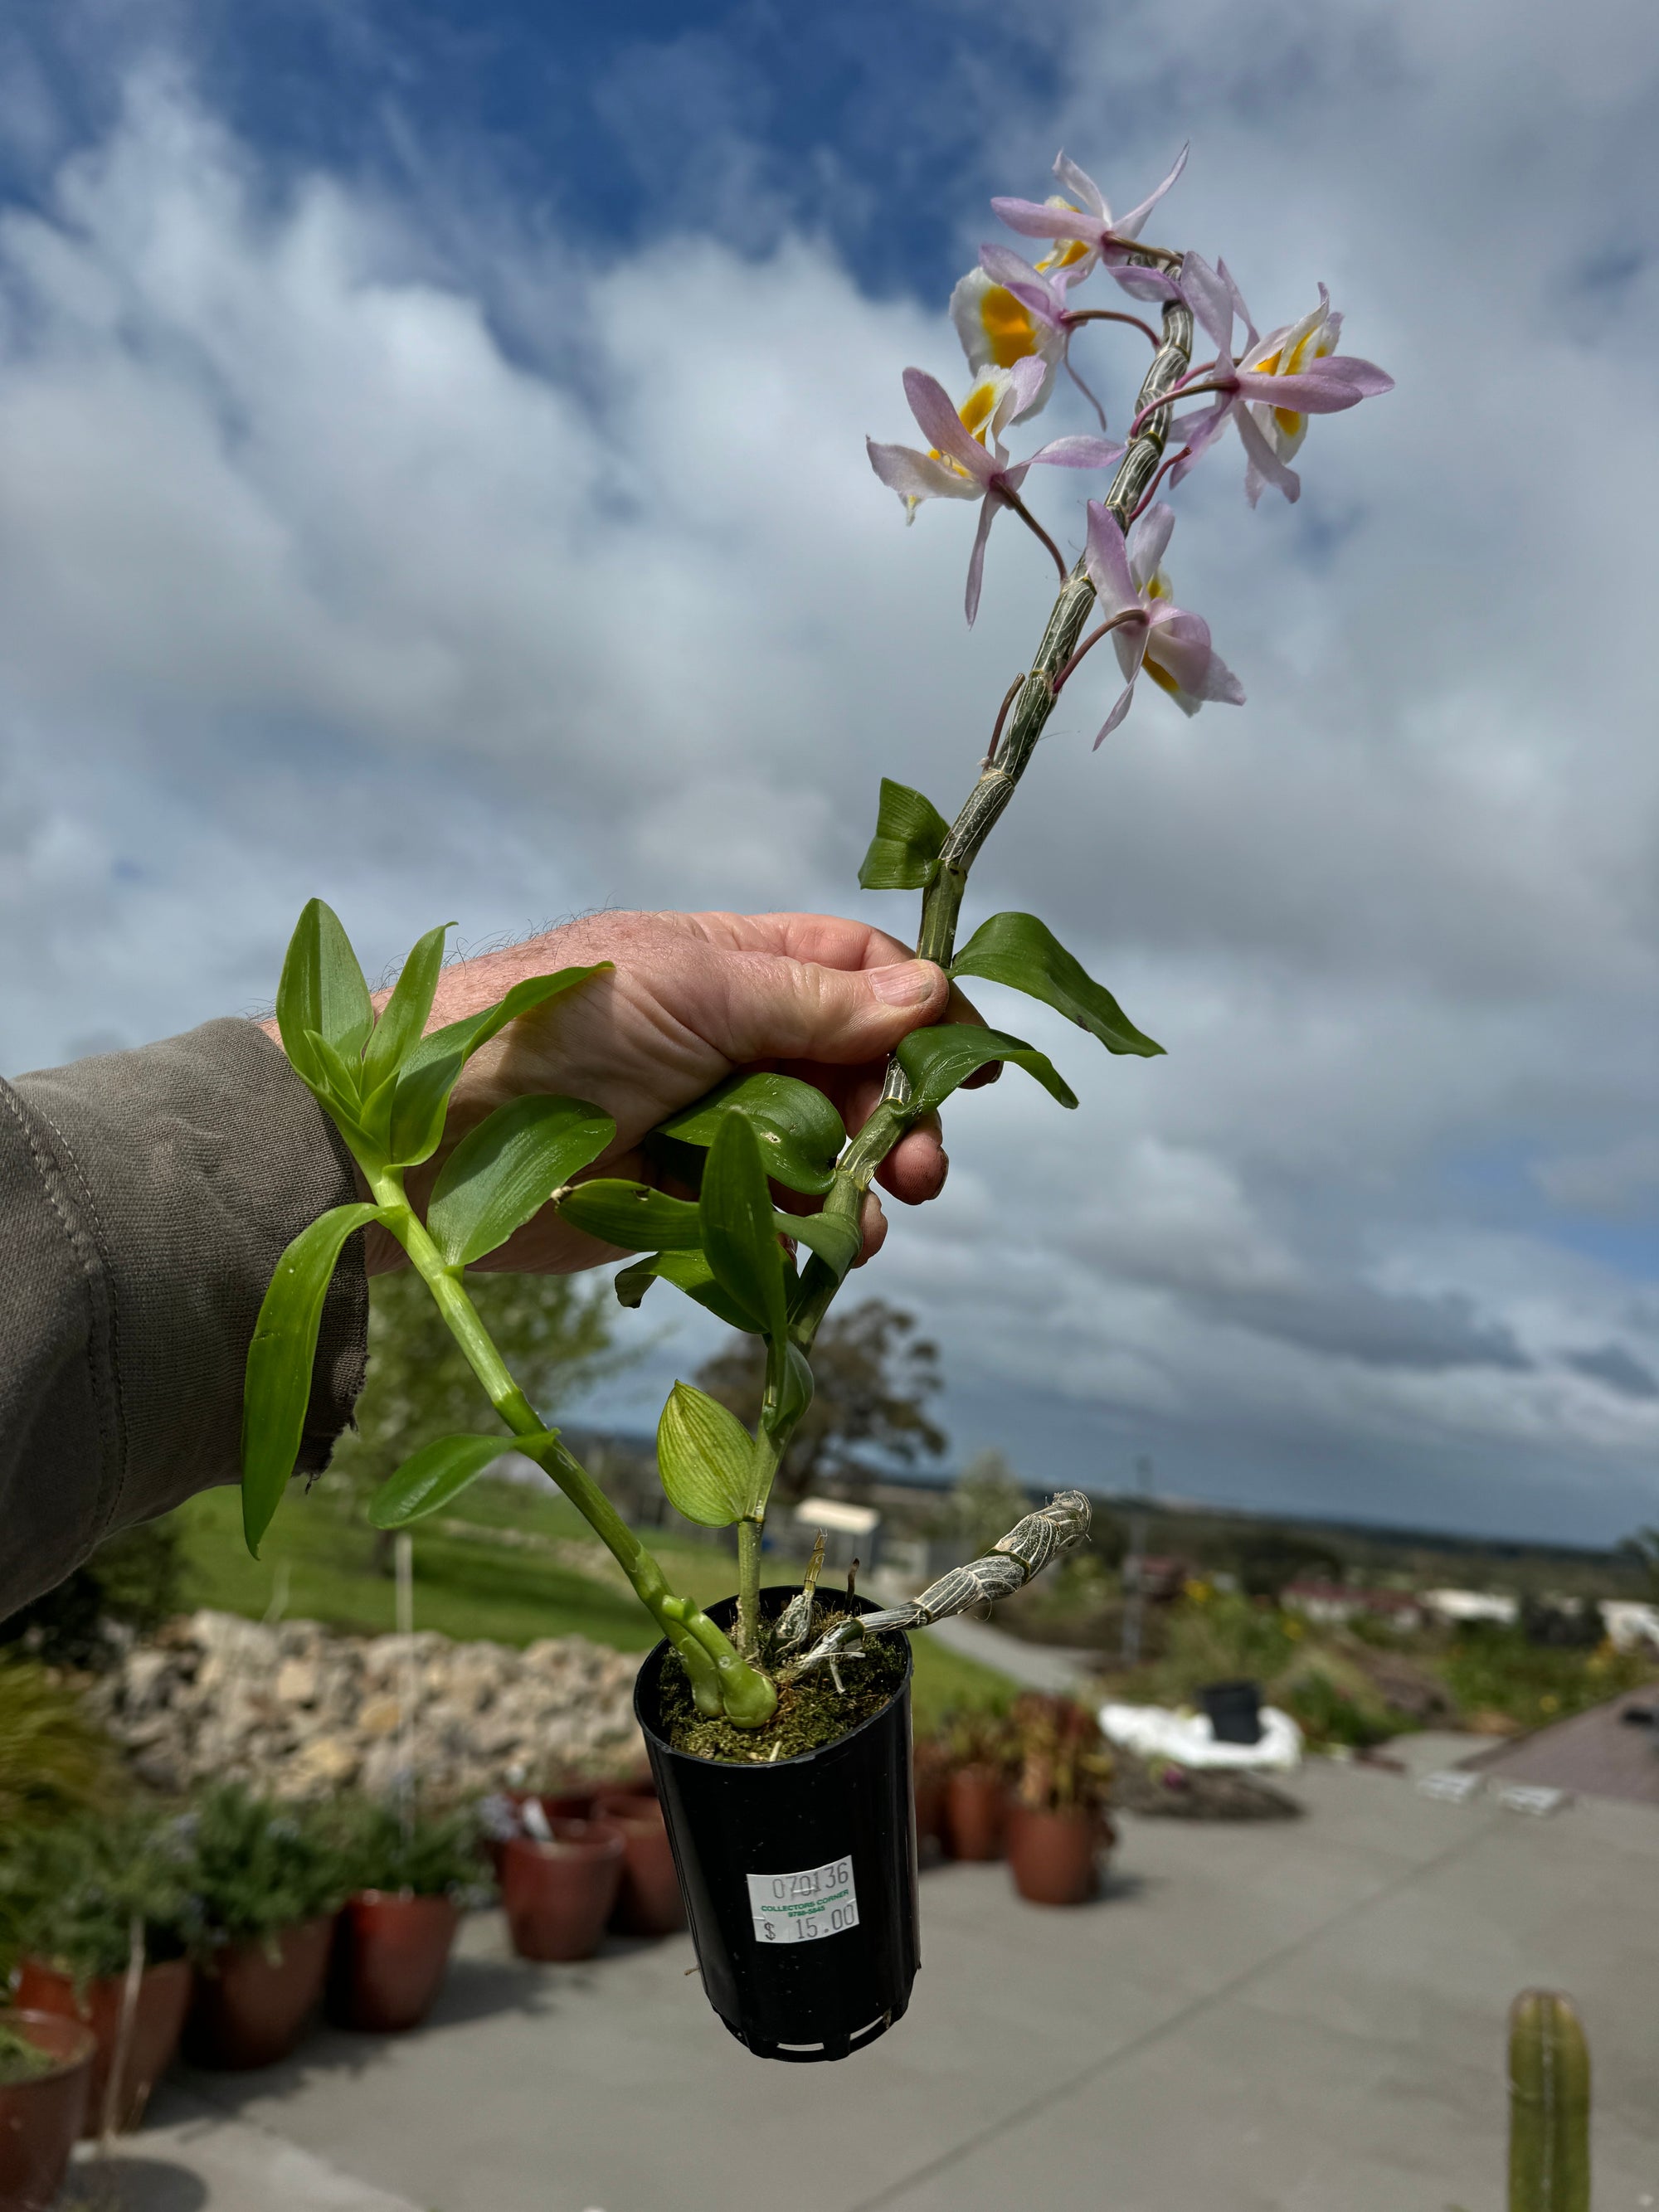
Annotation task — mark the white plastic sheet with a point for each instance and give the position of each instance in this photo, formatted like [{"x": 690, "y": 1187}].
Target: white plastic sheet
[{"x": 1157, "y": 1732}]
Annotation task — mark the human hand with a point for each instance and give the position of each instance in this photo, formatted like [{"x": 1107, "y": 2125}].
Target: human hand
[{"x": 690, "y": 998}]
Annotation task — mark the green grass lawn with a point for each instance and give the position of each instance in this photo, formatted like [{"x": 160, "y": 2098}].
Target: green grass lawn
[{"x": 317, "y": 1559}]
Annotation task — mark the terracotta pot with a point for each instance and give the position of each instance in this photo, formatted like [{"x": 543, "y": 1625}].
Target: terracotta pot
[
  {"x": 975, "y": 1812},
  {"x": 1052, "y": 1855},
  {"x": 40, "y": 2119},
  {"x": 157, "y": 2020},
  {"x": 571, "y": 1805},
  {"x": 648, "y": 1901},
  {"x": 929, "y": 1804},
  {"x": 390, "y": 1951},
  {"x": 250, "y": 2009},
  {"x": 558, "y": 1896}
]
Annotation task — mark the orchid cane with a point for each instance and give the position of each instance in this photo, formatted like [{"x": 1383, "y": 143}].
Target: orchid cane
[{"x": 387, "y": 1084}]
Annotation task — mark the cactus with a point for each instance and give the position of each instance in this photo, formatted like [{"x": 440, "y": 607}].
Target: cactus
[{"x": 1549, "y": 2105}]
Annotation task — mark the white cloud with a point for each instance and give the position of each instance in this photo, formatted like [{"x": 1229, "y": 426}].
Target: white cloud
[{"x": 309, "y": 580}]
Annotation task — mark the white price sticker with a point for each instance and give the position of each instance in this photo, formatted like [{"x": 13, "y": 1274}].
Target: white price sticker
[{"x": 803, "y": 1908}]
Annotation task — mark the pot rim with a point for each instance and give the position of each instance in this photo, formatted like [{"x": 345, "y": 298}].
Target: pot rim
[
  {"x": 786, "y": 1591},
  {"x": 11, "y": 2015},
  {"x": 372, "y": 1896},
  {"x": 608, "y": 1846}
]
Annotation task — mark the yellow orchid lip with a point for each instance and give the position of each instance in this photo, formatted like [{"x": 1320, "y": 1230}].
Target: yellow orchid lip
[{"x": 1010, "y": 331}]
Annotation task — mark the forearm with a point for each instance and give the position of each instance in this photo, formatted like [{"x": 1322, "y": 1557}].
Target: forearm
[{"x": 144, "y": 1199}]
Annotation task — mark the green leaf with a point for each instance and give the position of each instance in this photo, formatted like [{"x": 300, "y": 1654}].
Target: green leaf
[
  {"x": 507, "y": 1168},
  {"x": 430, "y": 1070},
  {"x": 706, "y": 1458},
  {"x": 633, "y": 1215},
  {"x": 796, "y": 1394},
  {"x": 740, "y": 1229},
  {"x": 276, "y": 1390},
  {"x": 403, "y": 1018},
  {"x": 322, "y": 989},
  {"x": 336, "y": 1081},
  {"x": 689, "y": 1272},
  {"x": 936, "y": 1060},
  {"x": 1019, "y": 949},
  {"x": 800, "y": 1133},
  {"x": 429, "y": 1478},
  {"x": 831, "y": 1236},
  {"x": 911, "y": 835}
]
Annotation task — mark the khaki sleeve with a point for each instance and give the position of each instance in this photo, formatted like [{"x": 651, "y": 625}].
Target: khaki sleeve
[{"x": 145, "y": 1198}]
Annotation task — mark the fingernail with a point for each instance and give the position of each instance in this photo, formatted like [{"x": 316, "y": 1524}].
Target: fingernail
[{"x": 907, "y": 983}]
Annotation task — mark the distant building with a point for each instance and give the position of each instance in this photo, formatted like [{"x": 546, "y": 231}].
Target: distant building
[
  {"x": 853, "y": 1531},
  {"x": 1332, "y": 1605},
  {"x": 1460, "y": 1605},
  {"x": 1630, "y": 1624}
]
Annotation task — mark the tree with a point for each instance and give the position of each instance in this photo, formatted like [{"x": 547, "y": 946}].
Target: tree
[
  {"x": 872, "y": 1375},
  {"x": 134, "y": 1578},
  {"x": 989, "y": 1497},
  {"x": 1642, "y": 1551},
  {"x": 554, "y": 1333}
]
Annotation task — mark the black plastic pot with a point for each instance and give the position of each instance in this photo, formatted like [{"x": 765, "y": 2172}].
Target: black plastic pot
[
  {"x": 1235, "y": 1712},
  {"x": 799, "y": 1876}
]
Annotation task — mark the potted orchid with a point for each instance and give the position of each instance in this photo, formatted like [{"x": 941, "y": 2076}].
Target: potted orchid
[{"x": 777, "y": 1723}]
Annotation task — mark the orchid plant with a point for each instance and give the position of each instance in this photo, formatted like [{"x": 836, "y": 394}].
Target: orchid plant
[{"x": 725, "y": 1244}]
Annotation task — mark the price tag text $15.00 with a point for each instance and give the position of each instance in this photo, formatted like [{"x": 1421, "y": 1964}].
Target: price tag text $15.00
[{"x": 805, "y": 1907}]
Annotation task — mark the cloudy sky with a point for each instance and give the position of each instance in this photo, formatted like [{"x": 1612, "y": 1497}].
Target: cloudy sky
[{"x": 431, "y": 474}]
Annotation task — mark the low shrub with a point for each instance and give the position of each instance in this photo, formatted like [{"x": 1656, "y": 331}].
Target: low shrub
[
  {"x": 1495, "y": 1670},
  {"x": 260, "y": 1866},
  {"x": 71, "y": 1893},
  {"x": 53, "y": 1760},
  {"x": 433, "y": 1855},
  {"x": 1064, "y": 1763},
  {"x": 20, "y": 2059},
  {"x": 133, "y": 1582},
  {"x": 1329, "y": 1712}
]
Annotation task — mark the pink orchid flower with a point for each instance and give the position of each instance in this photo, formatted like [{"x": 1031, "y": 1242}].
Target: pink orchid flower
[
  {"x": 1005, "y": 309},
  {"x": 1091, "y": 233},
  {"x": 1148, "y": 631},
  {"x": 969, "y": 461},
  {"x": 1275, "y": 385}
]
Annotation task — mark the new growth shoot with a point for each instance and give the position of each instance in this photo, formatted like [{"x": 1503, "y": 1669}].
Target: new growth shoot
[{"x": 387, "y": 1084}]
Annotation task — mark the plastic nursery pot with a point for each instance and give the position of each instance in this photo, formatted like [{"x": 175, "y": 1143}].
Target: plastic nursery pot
[
  {"x": 1052, "y": 1856},
  {"x": 39, "y": 2118},
  {"x": 391, "y": 1951},
  {"x": 649, "y": 1900},
  {"x": 558, "y": 1896},
  {"x": 158, "y": 2019},
  {"x": 800, "y": 1875},
  {"x": 976, "y": 1813},
  {"x": 1234, "y": 1710},
  {"x": 252, "y": 2004}
]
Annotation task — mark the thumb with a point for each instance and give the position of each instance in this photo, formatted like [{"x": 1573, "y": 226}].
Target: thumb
[{"x": 775, "y": 1008}]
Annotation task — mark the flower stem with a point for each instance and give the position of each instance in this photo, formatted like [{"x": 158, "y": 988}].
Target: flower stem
[
  {"x": 1110, "y": 315},
  {"x": 1013, "y": 500},
  {"x": 740, "y": 1690},
  {"x": 1025, "y": 712}
]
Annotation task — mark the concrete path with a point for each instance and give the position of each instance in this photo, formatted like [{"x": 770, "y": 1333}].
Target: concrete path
[
  {"x": 1033, "y": 1666},
  {"x": 1596, "y": 1753},
  {"x": 1288, "y": 2017}
]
